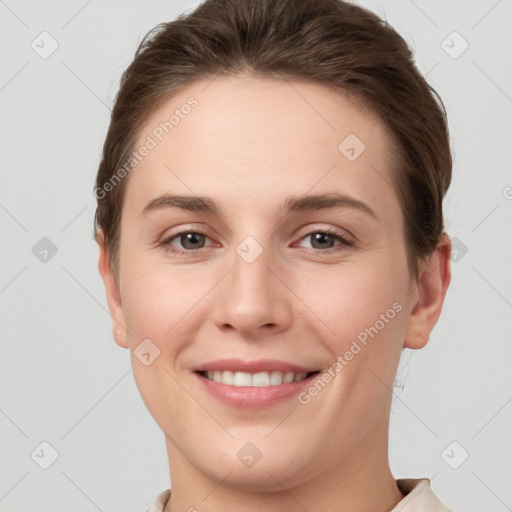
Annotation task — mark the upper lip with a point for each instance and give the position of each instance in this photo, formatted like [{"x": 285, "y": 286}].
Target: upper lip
[{"x": 260, "y": 365}]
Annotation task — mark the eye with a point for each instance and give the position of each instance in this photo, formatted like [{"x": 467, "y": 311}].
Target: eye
[
  {"x": 325, "y": 240},
  {"x": 189, "y": 241}
]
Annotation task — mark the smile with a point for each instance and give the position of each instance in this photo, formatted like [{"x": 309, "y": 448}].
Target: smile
[{"x": 260, "y": 379}]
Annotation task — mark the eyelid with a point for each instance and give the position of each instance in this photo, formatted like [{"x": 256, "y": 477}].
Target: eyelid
[
  {"x": 332, "y": 230},
  {"x": 165, "y": 239},
  {"x": 170, "y": 234},
  {"x": 344, "y": 237},
  {"x": 344, "y": 240},
  {"x": 179, "y": 229}
]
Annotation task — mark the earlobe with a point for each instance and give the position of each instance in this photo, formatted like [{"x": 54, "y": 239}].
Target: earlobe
[
  {"x": 430, "y": 290},
  {"x": 115, "y": 305}
]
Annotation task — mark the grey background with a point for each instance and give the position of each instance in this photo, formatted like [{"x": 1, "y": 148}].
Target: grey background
[{"x": 63, "y": 379}]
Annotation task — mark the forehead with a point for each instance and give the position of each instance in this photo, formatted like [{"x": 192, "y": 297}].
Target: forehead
[{"x": 263, "y": 136}]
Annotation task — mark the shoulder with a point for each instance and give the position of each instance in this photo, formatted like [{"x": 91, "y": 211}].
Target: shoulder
[
  {"x": 160, "y": 502},
  {"x": 419, "y": 496}
]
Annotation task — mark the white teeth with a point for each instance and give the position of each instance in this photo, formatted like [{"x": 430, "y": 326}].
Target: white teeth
[
  {"x": 276, "y": 378},
  {"x": 260, "y": 379},
  {"x": 242, "y": 379},
  {"x": 227, "y": 377},
  {"x": 288, "y": 377}
]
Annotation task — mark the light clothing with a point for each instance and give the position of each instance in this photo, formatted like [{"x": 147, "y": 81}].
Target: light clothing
[{"x": 418, "y": 498}]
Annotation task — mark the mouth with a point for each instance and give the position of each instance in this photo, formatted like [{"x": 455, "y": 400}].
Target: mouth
[
  {"x": 253, "y": 384},
  {"x": 253, "y": 390},
  {"x": 260, "y": 379}
]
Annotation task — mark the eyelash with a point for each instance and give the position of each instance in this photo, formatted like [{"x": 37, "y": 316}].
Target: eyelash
[{"x": 344, "y": 241}]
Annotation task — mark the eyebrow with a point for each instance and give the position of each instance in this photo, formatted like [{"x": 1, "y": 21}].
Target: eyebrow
[
  {"x": 292, "y": 203},
  {"x": 323, "y": 201},
  {"x": 191, "y": 203}
]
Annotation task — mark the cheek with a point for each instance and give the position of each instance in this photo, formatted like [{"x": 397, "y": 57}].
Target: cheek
[
  {"x": 168, "y": 303},
  {"x": 156, "y": 296},
  {"x": 365, "y": 310},
  {"x": 349, "y": 301},
  {"x": 160, "y": 304}
]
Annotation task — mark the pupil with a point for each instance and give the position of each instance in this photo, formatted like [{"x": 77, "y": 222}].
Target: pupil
[
  {"x": 191, "y": 238},
  {"x": 322, "y": 237}
]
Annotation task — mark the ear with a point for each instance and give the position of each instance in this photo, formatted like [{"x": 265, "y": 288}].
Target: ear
[
  {"x": 429, "y": 293},
  {"x": 113, "y": 294}
]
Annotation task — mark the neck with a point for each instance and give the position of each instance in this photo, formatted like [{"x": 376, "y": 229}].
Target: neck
[{"x": 361, "y": 482}]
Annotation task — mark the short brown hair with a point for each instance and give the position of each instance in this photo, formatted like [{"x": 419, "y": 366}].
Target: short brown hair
[{"x": 329, "y": 42}]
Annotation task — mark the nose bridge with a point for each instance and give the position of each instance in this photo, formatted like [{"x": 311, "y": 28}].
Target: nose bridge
[
  {"x": 252, "y": 297},
  {"x": 251, "y": 273}
]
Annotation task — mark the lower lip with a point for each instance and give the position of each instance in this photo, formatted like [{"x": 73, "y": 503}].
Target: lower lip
[{"x": 252, "y": 396}]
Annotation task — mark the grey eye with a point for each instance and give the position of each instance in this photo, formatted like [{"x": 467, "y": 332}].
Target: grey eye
[{"x": 191, "y": 240}]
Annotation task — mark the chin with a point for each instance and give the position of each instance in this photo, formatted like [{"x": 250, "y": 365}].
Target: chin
[
  {"x": 262, "y": 479},
  {"x": 249, "y": 470}
]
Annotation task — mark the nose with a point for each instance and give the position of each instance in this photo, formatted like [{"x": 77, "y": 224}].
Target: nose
[{"x": 253, "y": 298}]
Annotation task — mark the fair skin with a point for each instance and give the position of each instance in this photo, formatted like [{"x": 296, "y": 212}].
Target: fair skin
[{"x": 249, "y": 145}]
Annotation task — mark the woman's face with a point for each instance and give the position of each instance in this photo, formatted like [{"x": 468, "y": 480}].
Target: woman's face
[{"x": 295, "y": 261}]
